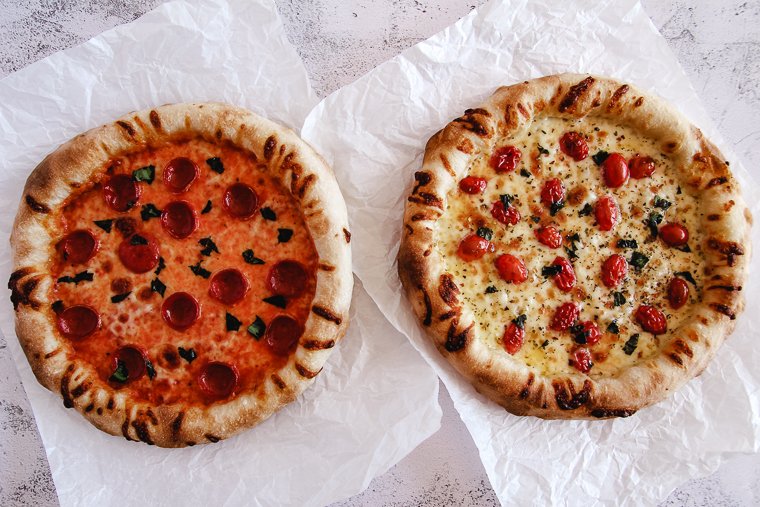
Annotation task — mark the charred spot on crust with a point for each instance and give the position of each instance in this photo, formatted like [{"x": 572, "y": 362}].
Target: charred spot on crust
[
  {"x": 448, "y": 315},
  {"x": 307, "y": 181},
  {"x": 125, "y": 429},
  {"x": 727, "y": 288},
  {"x": 638, "y": 102},
  {"x": 567, "y": 398},
  {"x": 713, "y": 218},
  {"x": 470, "y": 121},
  {"x": 427, "y": 199},
  {"x": 318, "y": 345},
  {"x": 21, "y": 293},
  {"x": 212, "y": 438},
  {"x": 326, "y": 314},
  {"x": 36, "y": 205},
  {"x": 676, "y": 358},
  {"x": 447, "y": 165},
  {"x": 128, "y": 128},
  {"x": 53, "y": 353},
  {"x": 422, "y": 178},
  {"x": 110, "y": 404},
  {"x": 682, "y": 347},
  {"x": 126, "y": 226},
  {"x": 80, "y": 389},
  {"x": 575, "y": 93},
  {"x": 155, "y": 120},
  {"x": 68, "y": 402},
  {"x": 717, "y": 181},
  {"x": 323, "y": 266},
  {"x": 465, "y": 146},
  {"x": 428, "y": 308},
  {"x": 177, "y": 425},
  {"x": 725, "y": 310},
  {"x": 269, "y": 146},
  {"x": 526, "y": 390},
  {"x": 448, "y": 290},
  {"x": 278, "y": 381},
  {"x": 141, "y": 429},
  {"x": 456, "y": 341},
  {"x": 305, "y": 372},
  {"x": 347, "y": 235},
  {"x": 728, "y": 248},
  {"x": 604, "y": 413},
  {"x": 617, "y": 96}
]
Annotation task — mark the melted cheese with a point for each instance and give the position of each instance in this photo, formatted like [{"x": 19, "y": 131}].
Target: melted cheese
[{"x": 546, "y": 350}]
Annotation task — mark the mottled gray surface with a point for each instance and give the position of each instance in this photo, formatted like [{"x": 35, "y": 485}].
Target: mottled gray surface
[{"x": 718, "y": 43}]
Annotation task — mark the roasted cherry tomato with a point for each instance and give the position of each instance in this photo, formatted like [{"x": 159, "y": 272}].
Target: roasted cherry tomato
[
  {"x": 474, "y": 247},
  {"x": 565, "y": 279},
  {"x": 511, "y": 269},
  {"x": 582, "y": 360},
  {"x": 590, "y": 331},
  {"x": 513, "y": 339},
  {"x": 505, "y": 159},
  {"x": 574, "y": 145},
  {"x": 641, "y": 167},
  {"x": 678, "y": 293},
  {"x": 674, "y": 234},
  {"x": 549, "y": 236},
  {"x": 473, "y": 185},
  {"x": 615, "y": 170},
  {"x": 614, "y": 270},
  {"x": 553, "y": 192},
  {"x": 565, "y": 316},
  {"x": 508, "y": 216},
  {"x": 606, "y": 212},
  {"x": 651, "y": 319}
]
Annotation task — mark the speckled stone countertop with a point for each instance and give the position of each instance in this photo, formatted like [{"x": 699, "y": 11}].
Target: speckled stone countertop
[{"x": 718, "y": 44}]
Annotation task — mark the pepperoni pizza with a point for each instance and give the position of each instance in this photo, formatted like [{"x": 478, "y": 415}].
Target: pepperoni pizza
[
  {"x": 575, "y": 247},
  {"x": 181, "y": 273}
]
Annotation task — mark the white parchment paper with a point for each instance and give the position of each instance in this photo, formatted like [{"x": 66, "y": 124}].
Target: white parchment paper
[
  {"x": 374, "y": 132},
  {"x": 376, "y": 398}
]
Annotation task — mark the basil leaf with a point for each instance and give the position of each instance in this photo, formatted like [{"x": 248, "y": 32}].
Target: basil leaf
[
  {"x": 161, "y": 266},
  {"x": 542, "y": 150},
  {"x": 257, "y": 328},
  {"x": 104, "y": 224},
  {"x": 555, "y": 207},
  {"x": 232, "y": 323},
  {"x": 684, "y": 248},
  {"x": 524, "y": 173},
  {"x": 57, "y": 306},
  {"x": 215, "y": 164},
  {"x": 146, "y": 174},
  {"x": 120, "y": 374},
  {"x": 208, "y": 246},
  {"x": 618, "y": 299},
  {"x": 491, "y": 289},
  {"x": 613, "y": 328},
  {"x": 579, "y": 334},
  {"x": 661, "y": 203},
  {"x": 599, "y": 157},
  {"x": 652, "y": 222},
  {"x": 551, "y": 270},
  {"x": 631, "y": 344},
  {"x": 485, "y": 233},
  {"x": 158, "y": 286},
  {"x": 278, "y": 301},
  {"x": 136, "y": 239},
  {"x": 250, "y": 258},
  {"x": 586, "y": 210},
  {"x": 543, "y": 345},
  {"x": 506, "y": 200},
  {"x": 188, "y": 355},
  {"x": 627, "y": 243},
  {"x": 686, "y": 276},
  {"x": 200, "y": 271},
  {"x": 149, "y": 211},
  {"x": 535, "y": 219},
  {"x": 118, "y": 298},
  {"x": 638, "y": 260},
  {"x": 83, "y": 276},
  {"x": 150, "y": 369},
  {"x": 268, "y": 214},
  {"x": 206, "y": 208},
  {"x": 284, "y": 235},
  {"x": 520, "y": 321}
]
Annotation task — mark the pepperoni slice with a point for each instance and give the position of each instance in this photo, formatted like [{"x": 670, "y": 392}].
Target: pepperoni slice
[
  {"x": 287, "y": 278},
  {"x": 134, "y": 359},
  {"x": 228, "y": 286},
  {"x": 139, "y": 253},
  {"x": 78, "y": 321},
  {"x": 282, "y": 334},
  {"x": 121, "y": 193},
  {"x": 218, "y": 380},
  {"x": 180, "y": 310},
  {"x": 179, "y": 219},
  {"x": 241, "y": 201},
  {"x": 179, "y": 174},
  {"x": 78, "y": 246}
]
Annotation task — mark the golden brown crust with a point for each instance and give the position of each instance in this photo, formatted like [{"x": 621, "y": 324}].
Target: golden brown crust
[
  {"x": 725, "y": 221},
  {"x": 288, "y": 158}
]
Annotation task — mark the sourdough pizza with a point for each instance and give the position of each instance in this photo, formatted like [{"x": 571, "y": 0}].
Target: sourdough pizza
[
  {"x": 575, "y": 247},
  {"x": 181, "y": 273}
]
